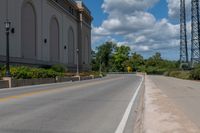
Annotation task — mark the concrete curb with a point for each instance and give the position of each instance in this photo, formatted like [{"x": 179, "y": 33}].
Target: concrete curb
[{"x": 138, "y": 125}]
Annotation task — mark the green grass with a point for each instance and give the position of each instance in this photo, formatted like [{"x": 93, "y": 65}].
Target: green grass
[{"x": 180, "y": 74}]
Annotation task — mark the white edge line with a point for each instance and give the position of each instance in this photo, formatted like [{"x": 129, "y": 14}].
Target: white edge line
[{"x": 122, "y": 124}]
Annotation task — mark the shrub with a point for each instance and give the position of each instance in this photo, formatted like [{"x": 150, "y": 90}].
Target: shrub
[
  {"x": 1, "y": 68},
  {"x": 195, "y": 73},
  {"x": 179, "y": 74},
  {"x": 24, "y": 72},
  {"x": 59, "y": 68},
  {"x": 141, "y": 69},
  {"x": 21, "y": 72},
  {"x": 155, "y": 70}
]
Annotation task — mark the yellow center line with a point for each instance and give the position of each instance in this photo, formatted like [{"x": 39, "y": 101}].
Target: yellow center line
[{"x": 19, "y": 96}]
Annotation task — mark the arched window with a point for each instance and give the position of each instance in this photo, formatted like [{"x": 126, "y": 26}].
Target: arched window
[
  {"x": 54, "y": 40},
  {"x": 71, "y": 57},
  {"x": 28, "y": 31}
]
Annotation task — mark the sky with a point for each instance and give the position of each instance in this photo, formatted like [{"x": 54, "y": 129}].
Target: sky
[{"x": 147, "y": 26}]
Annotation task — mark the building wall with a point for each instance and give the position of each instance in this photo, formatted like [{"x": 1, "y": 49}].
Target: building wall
[
  {"x": 2, "y": 29},
  {"x": 45, "y": 11},
  {"x": 86, "y": 46}
]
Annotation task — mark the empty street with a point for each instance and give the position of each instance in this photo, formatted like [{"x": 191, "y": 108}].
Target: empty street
[{"x": 95, "y": 106}]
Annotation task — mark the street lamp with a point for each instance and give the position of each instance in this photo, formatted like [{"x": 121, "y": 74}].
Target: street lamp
[
  {"x": 7, "y": 27},
  {"x": 77, "y": 64}
]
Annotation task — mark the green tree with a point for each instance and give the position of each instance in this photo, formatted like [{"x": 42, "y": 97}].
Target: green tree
[
  {"x": 136, "y": 61},
  {"x": 104, "y": 54},
  {"x": 155, "y": 60},
  {"x": 120, "y": 58},
  {"x": 94, "y": 62}
]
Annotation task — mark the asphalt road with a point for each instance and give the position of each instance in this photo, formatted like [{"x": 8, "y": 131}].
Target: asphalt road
[
  {"x": 95, "y": 106},
  {"x": 184, "y": 93}
]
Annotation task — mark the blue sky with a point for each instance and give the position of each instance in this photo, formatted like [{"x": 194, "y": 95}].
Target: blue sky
[{"x": 147, "y": 26}]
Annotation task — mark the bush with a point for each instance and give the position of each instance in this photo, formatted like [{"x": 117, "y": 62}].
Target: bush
[
  {"x": 179, "y": 74},
  {"x": 155, "y": 70},
  {"x": 141, "y": 69},
  {"x": 195, "y": 73},
  {"x": 59, "y": 68},
  {"x": 95, "y": 73},
  {"x": 1, "y": 69},
  {"x": 24, "y": 72}
]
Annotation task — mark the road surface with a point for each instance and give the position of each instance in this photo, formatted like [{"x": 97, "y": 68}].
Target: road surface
[
  {"x": 184, "y": 93},
  {"x": 95, "y": 106}
]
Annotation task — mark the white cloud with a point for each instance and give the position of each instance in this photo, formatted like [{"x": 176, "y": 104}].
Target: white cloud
[
  {"x": 174, "y": 8},
  {"x": 140, "y": 29},
  {"x": 127, "y": 6}
]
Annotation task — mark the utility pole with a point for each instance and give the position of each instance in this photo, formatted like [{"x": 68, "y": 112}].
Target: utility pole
[
  {"x": 195, "y": 48},
  {"x": 183, "y": 35}
]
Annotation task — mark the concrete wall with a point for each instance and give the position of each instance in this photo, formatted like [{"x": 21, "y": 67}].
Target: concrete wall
[
  {"x": 44, "y": 11},
  {"x": 27, "y": 82},
  {"x": 86, "y": 47},
  {"x": 3, "y": 84}
]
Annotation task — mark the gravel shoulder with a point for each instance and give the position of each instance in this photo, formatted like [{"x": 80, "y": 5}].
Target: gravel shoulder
[{"x": 161, "y": 115}]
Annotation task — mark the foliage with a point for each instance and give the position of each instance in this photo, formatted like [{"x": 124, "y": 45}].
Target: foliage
[
  {"x": 195, "y": 73},
  {"x": 155, "y": 60},
  {"x": 156, "y": 65},
  {"x": 120, "y": 56},
  {"x": 94, "y": 73},
  {"x": 24, "y": 72},
  {"x": 155, "y": 70},
  {"x": 136, "y": 61},
  {"x": 110, "y": 57},
  {"x": 180, "y": 74},
  {"x": 1, "y": 66},
  {"x": 94, "y": 62},
  {"x": 104, "y": 54},
  {"x": 1, "y": 70},
  {"x": 59, "y": 68}
]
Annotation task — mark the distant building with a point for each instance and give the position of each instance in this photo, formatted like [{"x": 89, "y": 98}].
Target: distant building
[{"x": 46, "y": 32}]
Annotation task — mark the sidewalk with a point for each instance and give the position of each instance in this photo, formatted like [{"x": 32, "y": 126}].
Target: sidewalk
[{"x": 161, "y": 115}]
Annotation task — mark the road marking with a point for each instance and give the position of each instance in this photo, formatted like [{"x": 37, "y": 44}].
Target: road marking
[
  {"x": 19, "y": 96},
  {"x": 122, "y": 124}
]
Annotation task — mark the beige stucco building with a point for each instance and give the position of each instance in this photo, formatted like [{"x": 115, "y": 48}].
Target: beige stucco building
[{"x": 46, "y": 32}]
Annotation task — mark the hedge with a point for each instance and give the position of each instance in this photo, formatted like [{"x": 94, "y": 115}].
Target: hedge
[{"x": 23, "y": 72}]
